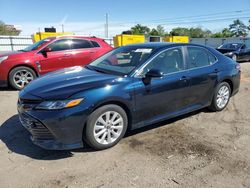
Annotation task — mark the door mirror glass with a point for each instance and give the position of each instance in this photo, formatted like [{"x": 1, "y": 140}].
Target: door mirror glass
[
  {"x": 154, "y": 73},
  {"x": 47, "y": 49}
]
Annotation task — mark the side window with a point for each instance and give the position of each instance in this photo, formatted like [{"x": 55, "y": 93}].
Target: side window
[
  {"x": 243, "y": 47},
  {"x": 60, "y": 45},
  {"x": 198, "y": 57},
  {"x": 169, "y": 61},
  {"x": 95, "y": 44},
  {"x": 80, "y": 43},
  {"x": 212, "y": 58}
]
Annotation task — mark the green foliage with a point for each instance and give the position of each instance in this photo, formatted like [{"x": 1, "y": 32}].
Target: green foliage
[
  {"x": 180, "y": 31},
  {"x": 193, "y": 32},
  {"x": 154, "y": 32},
  {"x": 140, "y": 30},
  {"x": 6, "y": 30},
  {"x": 238, "y": 28},
  {"x": 161, "y": 31},
  {"x": 225, "y": 33}
]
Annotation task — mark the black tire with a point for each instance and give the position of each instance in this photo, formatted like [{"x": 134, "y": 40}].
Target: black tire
[
  {"x": 214, "y": 105},
  {"x": 89, "y": 137},
  {"x": 12, "y": 73}
]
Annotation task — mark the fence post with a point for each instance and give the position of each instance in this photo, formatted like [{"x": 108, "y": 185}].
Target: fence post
[{"x": 11, "y": 44}]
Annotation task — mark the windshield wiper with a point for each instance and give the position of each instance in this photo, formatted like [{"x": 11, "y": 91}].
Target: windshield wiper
[{"x": 95, "y": 69}]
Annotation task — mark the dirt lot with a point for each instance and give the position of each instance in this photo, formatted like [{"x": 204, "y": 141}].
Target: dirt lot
[{"x": 201, "y": 149}]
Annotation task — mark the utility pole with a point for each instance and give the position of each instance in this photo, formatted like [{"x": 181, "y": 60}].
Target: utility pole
[
  {"x": 62, "y": 28},
  {"x": 107, "y": 26}
]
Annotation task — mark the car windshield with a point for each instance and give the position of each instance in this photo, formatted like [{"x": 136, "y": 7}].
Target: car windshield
[
  {"x": 122, "y": 61},
  {"x": 234, "y": 46},
  {"x": 36, "y": 45}
]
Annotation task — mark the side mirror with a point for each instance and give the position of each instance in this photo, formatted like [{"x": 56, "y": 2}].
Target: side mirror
[
  {"x": 46, "y": 50},
  {"x": 153, "y": 73}
]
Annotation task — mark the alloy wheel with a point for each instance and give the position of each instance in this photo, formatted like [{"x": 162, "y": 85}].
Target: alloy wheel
[
  {"x": 22, "y": 78},
  {"x": 108, "y": 127},
  {"x": 223, "y": 97}
]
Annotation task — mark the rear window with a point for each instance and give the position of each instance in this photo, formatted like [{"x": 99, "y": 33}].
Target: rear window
[
  {"x": 199, "y": 57},
  {"x": 95, "y": 44},
  {"x": 80, "y": 43}
]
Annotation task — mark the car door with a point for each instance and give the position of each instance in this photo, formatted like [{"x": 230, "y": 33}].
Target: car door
[
  {"x": 83, "y": 51},
  {"x": 203, "y": 72},
  {"x": 60, "y": 55},
  {"x": 244, "y": 53},
  {"x": 166, "y": 95}
]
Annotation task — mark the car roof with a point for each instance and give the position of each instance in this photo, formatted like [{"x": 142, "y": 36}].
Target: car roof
[
  {"x": 160, "y": 45},
  {"x": 80, "y": 37},
  {"x": 238, "y": 43}
]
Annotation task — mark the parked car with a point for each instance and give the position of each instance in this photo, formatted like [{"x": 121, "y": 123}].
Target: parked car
[
  {"x": 19, "y": 68},
  {"x": 130, "y": 87},
  {"x": 236, "y": 51}
]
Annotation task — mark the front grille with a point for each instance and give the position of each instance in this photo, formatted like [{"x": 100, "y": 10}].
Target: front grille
[
  {"x": 27, "y": 104},
  {"x": 36, "y": 128}
]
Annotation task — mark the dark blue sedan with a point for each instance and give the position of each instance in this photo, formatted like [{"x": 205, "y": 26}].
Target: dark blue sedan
[{"x": 130, "y": 87}]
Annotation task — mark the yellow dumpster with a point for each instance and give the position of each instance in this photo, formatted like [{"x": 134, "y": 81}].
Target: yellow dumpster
[
  {"x": 179, "y": 39},
  {"x": 42, "y": 35},
  {"x": 121, "y": 40}
]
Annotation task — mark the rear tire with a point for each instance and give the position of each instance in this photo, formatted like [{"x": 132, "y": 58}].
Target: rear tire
[
  {"x": 221, "y": 97},
  {"x": 19, "y": 77},
  {"x": 105, "y": 127}
]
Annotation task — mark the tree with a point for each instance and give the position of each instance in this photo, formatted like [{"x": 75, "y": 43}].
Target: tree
[
  {"x": 154, "y": 32},
  {"x": 161, "y": 31},
  {"x": 140, "y": 30},
  {"x": 197, "y": 32},
  {"x": 225, "y": 33},
  {"x": 238, "y": 28},
  {"x": 180, "y": 31},
  {"x": 8, "y": 29},
  {"x": 194, "y": 32}
]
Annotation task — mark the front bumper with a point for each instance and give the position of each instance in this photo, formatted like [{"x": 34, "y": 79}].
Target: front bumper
[
  {"x": 55, "y": 130},
  {"x": 3, "y": 83}
]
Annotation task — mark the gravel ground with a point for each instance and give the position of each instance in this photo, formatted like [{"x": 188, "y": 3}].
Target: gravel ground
[{"x": 201, "y": 149}]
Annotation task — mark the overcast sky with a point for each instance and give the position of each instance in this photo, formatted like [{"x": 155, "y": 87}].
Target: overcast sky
[{"x": 88, "y": 17}]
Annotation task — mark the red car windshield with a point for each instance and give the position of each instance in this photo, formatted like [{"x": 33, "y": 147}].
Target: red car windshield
[{"x": 36, "y": 45}]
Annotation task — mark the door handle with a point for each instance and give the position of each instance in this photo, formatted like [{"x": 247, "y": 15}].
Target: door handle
[
  {"x": 216, "y": 70},
  {"x": 184, "y": 78},
  {"x": 67, "y": 55},
  {"x": 91, "y": 52}
]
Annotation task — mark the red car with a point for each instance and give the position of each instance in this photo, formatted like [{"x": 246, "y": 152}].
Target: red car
[{"x": 19, "y": 68}]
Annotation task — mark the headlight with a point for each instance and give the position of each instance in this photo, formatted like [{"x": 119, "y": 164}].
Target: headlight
[
  {"x": 57, "y": 105},
  {"x": 229, "y": 53},
  {"x": 3, "y": 58}
]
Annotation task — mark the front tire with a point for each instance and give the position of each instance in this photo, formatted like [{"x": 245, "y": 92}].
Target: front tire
[
  {"x": 221, "y": 97},
  {"x": 105, "y": 127},
  {"x": 19, "y": 77}
]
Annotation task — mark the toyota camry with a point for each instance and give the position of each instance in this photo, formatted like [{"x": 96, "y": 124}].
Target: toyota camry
[{"x": 130, "y": 87}]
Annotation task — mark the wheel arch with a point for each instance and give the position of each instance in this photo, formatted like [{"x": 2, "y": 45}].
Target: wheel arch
[
  {"x": 230, "y": 82},
  {"x": 23, "y": 65},
  {"x": 121, "y": 104}
]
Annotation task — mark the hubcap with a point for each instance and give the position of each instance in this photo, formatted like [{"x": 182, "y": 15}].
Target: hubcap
[
  {"x": 222, "y": 96},
  {"x": 22, "y": 78},
  {"x": 108, "y": 127}
]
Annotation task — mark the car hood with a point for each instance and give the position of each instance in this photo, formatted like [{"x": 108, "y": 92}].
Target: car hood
[
  {"x": 224, "y": 51},
  {"x": 64, "y": 83}
]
